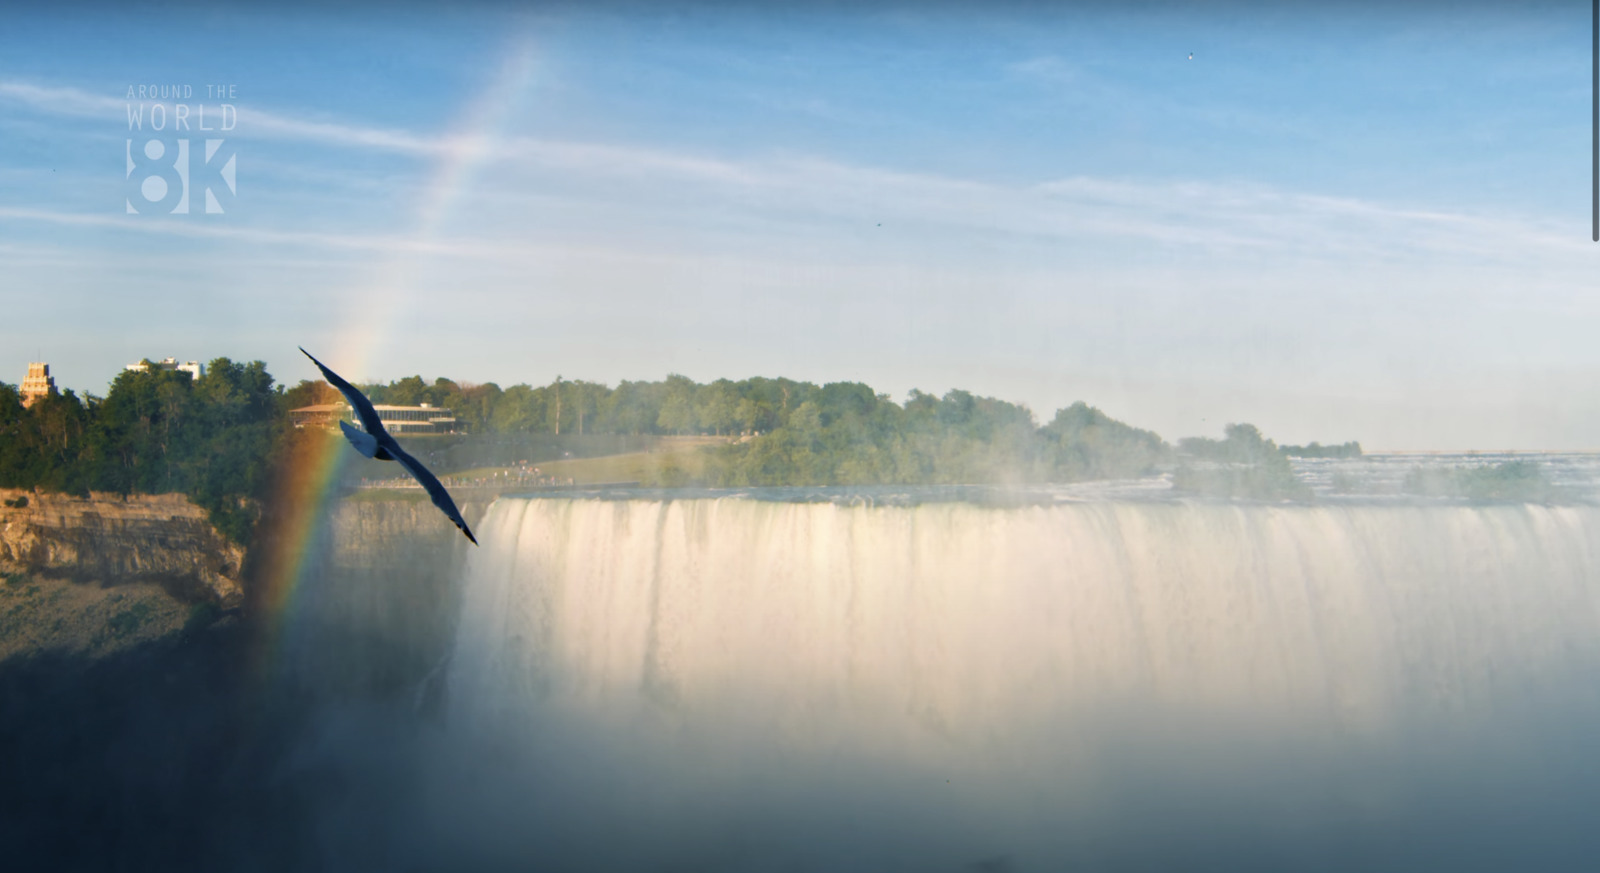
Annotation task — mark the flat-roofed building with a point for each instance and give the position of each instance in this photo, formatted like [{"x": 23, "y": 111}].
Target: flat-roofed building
[
  {"x": 396, "y": 419},
  {"x": 326, "y": 415},
  {"x": 39, "y": 383}
]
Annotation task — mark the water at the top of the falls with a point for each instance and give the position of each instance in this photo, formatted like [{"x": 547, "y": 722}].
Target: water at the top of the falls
[
  {"x": 964, "y": 618},
  {"x": 1573, "y": 477}
]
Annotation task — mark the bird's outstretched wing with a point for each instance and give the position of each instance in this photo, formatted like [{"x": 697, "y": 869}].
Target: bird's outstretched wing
[
  {"x": 358, "y": 401},
  {"x": 431, "y": 484},
  {"x": 376, "y": 442},
  {"x": 365, "y": 443}
]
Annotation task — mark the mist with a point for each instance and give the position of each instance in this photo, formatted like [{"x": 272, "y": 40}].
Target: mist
[{"x": 744, "y": 685}]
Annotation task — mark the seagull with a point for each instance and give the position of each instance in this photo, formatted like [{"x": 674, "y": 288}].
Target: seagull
[{"x": 376, "y": 442}]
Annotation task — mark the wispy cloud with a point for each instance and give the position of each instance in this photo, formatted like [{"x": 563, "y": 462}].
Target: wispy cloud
[
  {"x": 60, "y": 101},
  {"x": 595, "y": 157},
  {"x": 1267, "y": 216},
  {"x": 1212, "y": 215},
  {"x": 509, "y": 253},
  {"x": 259, "y": 236},
  {"x": 83, "y": 104}
]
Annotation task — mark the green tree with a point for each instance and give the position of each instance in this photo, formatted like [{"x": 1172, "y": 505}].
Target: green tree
[
  {"x": 519, "y": 410},
  {"x": 677, "y": 407},
  {"x": 717, "y": 406},
  {"x": 1242, "y": 464},
  {"x": 311, "y": 393},
  {"x": 1085, "y": 443},
  {"x": 474, "y": 407},
  {"x": 583, "y": 403},
  {"x": 633, "y": 408},
  {"x": 410, "y": 391}
]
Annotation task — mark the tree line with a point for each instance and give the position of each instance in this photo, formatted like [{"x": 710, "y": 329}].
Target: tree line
[
  {"x": 1243, "y": 464},
  {"x": 217, "y": 438},
  {"x": 800, "y": 433}
]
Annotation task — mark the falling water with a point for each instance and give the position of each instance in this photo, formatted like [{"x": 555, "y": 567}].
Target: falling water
[{"x": 746, "y": 684}]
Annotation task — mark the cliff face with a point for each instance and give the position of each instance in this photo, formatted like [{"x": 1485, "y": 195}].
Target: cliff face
[
  {"x": 107, "y": 538},
  {"x": 378, "y": 603},
  {"x": 375, "y": 604},
  {"x": 398, "y": 535}
]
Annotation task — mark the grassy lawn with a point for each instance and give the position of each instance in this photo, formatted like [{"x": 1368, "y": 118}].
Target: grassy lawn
[
  {"x": 670, "y": 464},
  {"x": 647, "y": 467}
]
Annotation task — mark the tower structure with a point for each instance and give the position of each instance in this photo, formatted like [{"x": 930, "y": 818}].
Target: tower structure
[{"x": 39, "y": 383}]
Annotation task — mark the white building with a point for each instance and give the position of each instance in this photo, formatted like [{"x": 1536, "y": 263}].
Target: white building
[
  {"x": 195, "y": 369},
  {"x": 396, "y": 419}
]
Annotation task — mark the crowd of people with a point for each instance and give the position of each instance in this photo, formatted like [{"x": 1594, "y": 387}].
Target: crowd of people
[{"x": 520, "y": 475}]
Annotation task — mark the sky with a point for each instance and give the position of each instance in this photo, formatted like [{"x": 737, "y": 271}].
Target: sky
[{"x": 1336, "y": 221}]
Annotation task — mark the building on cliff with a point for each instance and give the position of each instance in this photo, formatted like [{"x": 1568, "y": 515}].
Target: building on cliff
[
  {"x": 195, "y": 369},
  {"x": 39, "y": 383},
  {"x": 396, "y": 419}
]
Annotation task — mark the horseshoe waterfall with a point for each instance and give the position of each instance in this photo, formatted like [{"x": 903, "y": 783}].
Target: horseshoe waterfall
[{"x": 746, "y": 684}]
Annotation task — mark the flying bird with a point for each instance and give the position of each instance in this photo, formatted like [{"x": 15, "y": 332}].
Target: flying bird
[{"x": 376, "y": 442}]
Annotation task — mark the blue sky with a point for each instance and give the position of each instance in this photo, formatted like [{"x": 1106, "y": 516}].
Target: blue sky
[{"x": 1363, "y": 222}]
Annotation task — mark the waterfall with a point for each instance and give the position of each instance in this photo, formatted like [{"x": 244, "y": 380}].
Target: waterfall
[{"x": 1028, "y": 686}]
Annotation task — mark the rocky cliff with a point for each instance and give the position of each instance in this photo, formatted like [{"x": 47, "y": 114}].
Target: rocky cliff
[
  {"x": 373, "y": 603},
  {"x": 399, "y": 533},
  {"x": 377, "y": 603},
  {"x": 114, "y": 540}
]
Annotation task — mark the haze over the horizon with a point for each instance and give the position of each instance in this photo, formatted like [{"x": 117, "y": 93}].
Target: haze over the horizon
[{"x": 1359, "y": 223}]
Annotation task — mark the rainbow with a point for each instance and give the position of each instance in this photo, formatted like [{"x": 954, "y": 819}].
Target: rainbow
[
  {"x": 311, "y": 466},
  {"x": 288, "y": 532},
  {"x": 481, "y": 142}
]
